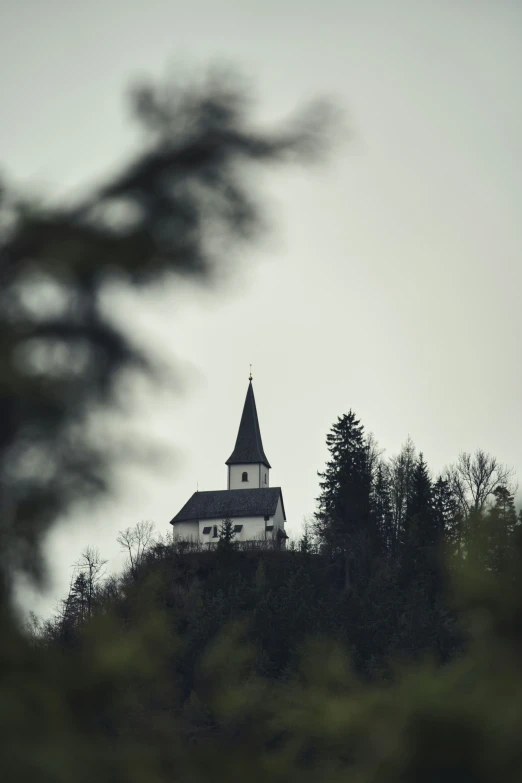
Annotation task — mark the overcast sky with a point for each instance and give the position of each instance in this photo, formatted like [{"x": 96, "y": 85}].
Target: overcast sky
[{"x": 391, "y": 282}]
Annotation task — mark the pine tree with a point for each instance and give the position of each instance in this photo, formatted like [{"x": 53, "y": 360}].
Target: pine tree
[
  {"x": 382, "y": 509},
  {"x": 75, "y": 610},
  {"x": 420, "y": 508},
  {"x": 343, "y": 519},
  {"x": 500, "y": 525},
  {"x": 400, "y": 473},
  {"x": 446, "y": 517},
  {"x": 418, "y": 534},
  {"x": 226, "y": 536},
  {"x": 305, "y": 542}
]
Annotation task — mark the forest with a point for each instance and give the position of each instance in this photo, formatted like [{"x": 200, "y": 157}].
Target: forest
[
  {"x": 366, "y": 597},
  {"x": 384, "y": 645},
  {"x": 372, "y": 571}
]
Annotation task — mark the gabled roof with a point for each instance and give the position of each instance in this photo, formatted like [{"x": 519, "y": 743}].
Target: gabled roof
[
  {"x": 249, "y": 446},
  {"x": 222, "y": 503}
]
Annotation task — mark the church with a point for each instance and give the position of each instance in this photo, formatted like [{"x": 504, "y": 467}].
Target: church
[{"x": 256, "y": 509}]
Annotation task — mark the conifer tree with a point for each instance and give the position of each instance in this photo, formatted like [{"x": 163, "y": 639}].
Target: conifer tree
[
  {"x": 226, "y": 536},
  {"x": 418, "y": 535},
  {"x": 343, "y": 518},
  {"x": 382, "y": 509},
  {"x": 400, "y": 472},
  {"x": 446, "y": 517},
  {"x": 420, "y": 509},
  {"x": 305, "y": 542},
  {"x": 501, "y": 523},
  {"x": 76, "y": 608}
]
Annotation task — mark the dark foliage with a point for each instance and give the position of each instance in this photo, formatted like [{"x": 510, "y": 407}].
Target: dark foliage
[
  {"x": 299, "y": 665},
  {"x": 237, "y": 673}
]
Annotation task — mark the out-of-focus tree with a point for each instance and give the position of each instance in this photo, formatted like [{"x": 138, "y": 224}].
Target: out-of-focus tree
[
  {"x": 183, "y": 206},
  {"x": 141, "y": 696},
  {"x": 180, "y": 207}
]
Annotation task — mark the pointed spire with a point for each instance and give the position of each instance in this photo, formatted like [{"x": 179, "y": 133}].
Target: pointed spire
[{"x": 249, "y": 446}]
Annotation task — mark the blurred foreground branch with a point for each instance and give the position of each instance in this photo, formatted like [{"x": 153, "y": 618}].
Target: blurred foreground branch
[{"x": 176, "y": 208}]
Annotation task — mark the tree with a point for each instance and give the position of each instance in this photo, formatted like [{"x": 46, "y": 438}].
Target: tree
[
  {"x": 374, "y": 453},
  {"x": 91, "y": 566},
  {"x": 82, "y": 599},
  {"x": 179, "y": 207},
  {"x": 420, "y": 507},
  {"x": 79, "y": 601},
  {"x": 382, "y": 508},
  {"x": 107, "y": 711},
  {"x": 474, "y": 478},
  {"x": 419, "y": 534},
  {"x": 400, "y": 475},
  {"x": 34, "y": 628},
  {"x": 501, "y": 523},
  {"x": 226, "y": 536},
  {"x": 343, "y": 517},
  {"x": 446, "y": 516},
  {"x": 305, "y": 542},
  {"x": 136, "y": 542}
]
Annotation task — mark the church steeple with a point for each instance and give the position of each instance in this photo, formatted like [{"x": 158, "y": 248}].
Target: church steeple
[
  {"x": 249, "y": 446},
  {"x": 256, "y": 509}
]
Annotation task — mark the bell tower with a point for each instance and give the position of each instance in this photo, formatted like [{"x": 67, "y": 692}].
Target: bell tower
[{"x": 248, "y": 467}]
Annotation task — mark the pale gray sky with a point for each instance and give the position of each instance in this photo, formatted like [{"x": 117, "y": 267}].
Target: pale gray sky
[{"x": 391, "y": 282}]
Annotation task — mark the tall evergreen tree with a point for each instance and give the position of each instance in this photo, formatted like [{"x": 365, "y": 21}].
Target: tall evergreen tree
[
  {"x": 446, "y": 516},
  {"x": 418, "y": 534},
  {"x": 500, "y": 525},
  {"x": 305, "y": 542},
  {"x": 77, "y": 605},
  {"x": 226, "y": 536},
  {"x": 343, "y": 519},
  {"x": 420, "y": 509},
  {"x": 400, "y": 472},
  {"x": 382, "y": 509}
]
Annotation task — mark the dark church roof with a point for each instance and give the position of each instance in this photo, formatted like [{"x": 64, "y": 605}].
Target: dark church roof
[
  {"x": 249, "y": 446},
  {"x": 222, "y": 503}
]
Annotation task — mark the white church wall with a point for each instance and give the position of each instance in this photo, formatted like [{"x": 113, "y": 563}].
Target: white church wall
[
  {"x": 255, "y": 473},
  {"x": 253, "y": 528},
  {"x": 186, "y": 530}
]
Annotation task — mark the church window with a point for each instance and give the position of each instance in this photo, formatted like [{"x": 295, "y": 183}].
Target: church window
[
  {"x": 214, "y": 532},
  {"x": 206, "y": 530},
  {"x": 265, "y": 478},
  {"x": 244, "y": 477},
  {"x": 238, "y": 528}
]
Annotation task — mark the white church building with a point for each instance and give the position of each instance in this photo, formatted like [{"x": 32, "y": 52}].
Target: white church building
[{"x": 256, "y": 509}]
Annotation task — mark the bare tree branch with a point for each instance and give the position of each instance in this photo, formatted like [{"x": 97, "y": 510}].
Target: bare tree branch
[
  {"x": 136, "y": 541},
  {"x": 474, "y": 478}
]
